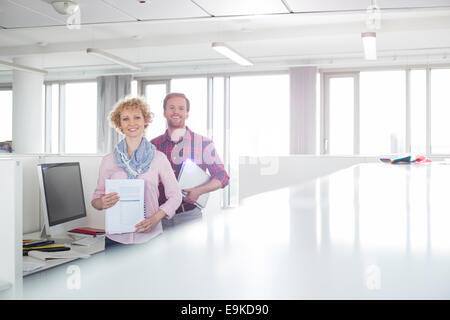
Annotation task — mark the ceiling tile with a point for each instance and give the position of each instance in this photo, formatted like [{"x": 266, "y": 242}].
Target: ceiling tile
[
  {"x": 348, "y": 5},
  {"x": 158, "y": 9},
  {"x": 92, "y": 11},
  {"x": 239, "y": 7},
  {"x": 16, "y": 15}
]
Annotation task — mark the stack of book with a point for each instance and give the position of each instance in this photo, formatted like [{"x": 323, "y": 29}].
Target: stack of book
[{"x": 86, "y": 231}]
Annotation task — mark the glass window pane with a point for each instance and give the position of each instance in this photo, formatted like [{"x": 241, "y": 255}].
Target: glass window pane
[
  {"x": 6, "y": 115},
  {"x": 134, "y": 91},
  {"x": 318, "y": 112},
  {"x": 341, "y": 115},
  {"x": 218, "y": 115},
  {"x": 195, "y": 89},
  {"x": 55, "y": 119},
  {"x": 418, "y": 105},
  {"x": 440, "y": 111},
  {"x": 382, "y": 112},
  {"x": 81, "y": 118},
  {"x": 259, "y": 115},
  {"x": 155, "y": 94}
]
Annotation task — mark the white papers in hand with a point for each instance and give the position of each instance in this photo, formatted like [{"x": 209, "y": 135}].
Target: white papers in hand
[{"x": 129, "y": 210}]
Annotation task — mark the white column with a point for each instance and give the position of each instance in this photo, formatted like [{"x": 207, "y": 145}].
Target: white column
[
  {"x": 28, "y": 109},
  {"x": 303, "y": 110}
]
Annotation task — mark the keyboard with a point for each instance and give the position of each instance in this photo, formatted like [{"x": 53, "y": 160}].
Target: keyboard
[{"x": 87, "y": 241}]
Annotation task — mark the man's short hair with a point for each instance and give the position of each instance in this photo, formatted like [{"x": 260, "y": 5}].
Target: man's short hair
[{"x": 176, "y": 94}]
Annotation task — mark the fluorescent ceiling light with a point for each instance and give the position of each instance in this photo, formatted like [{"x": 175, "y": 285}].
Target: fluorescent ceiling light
[
  {"x": 22, "y": 67},
  {"x": 113, "y": 58},
  {"x": 369, "y": 40},
  {"x": 231, "y": 54}
]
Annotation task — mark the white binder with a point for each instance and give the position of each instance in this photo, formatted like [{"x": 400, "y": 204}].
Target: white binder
[{"x": 191, "y": 176}]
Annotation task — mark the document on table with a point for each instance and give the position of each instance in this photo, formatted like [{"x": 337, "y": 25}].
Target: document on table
[{"x": 129, "y": 210}]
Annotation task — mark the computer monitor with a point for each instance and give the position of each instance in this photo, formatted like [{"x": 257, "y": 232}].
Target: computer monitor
[{"x": 62, "y": 197}]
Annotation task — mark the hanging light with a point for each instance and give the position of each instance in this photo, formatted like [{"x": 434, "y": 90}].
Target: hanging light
[{"x": 369, "y": 40}]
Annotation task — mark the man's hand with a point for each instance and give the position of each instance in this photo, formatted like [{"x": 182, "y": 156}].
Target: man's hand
[{"x": 192, "y": 195}]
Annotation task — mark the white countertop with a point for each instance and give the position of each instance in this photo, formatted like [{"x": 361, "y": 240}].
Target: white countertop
[{"x": 373, "y": 231}]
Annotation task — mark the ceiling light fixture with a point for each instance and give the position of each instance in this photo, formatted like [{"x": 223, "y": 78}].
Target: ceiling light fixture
[
  {"x": 113, "y": 58},
  {"x": 369, "y": 40},
  {"x": 20, "y": 67},
  {"x": 65, "y": 7},
  {"x": 231, "y": 53}
]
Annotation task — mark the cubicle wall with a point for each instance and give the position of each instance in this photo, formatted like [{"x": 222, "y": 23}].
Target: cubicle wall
[
  {"x": 89, "y": 164},
  {"x": 256, "y": 175},
  {"x": 10, "y": 228},
  {"x": 32, "y": 211},
  {"x": 261, "y": 174}
]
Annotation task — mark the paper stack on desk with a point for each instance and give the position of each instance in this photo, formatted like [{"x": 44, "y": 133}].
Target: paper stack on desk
[{"x": 44, "y": 256}]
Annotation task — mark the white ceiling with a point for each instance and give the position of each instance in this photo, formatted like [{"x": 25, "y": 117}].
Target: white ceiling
[{"x": 174, "y": 36}]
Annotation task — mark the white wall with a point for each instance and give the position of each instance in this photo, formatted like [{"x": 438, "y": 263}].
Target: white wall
[{"x": 10, "y": 227}]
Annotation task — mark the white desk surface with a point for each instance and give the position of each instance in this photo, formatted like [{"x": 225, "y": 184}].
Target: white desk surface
[{"x": 373, "y": 231}]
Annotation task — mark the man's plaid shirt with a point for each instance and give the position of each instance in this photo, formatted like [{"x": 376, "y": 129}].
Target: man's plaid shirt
[{"x": 196, "y": 147}]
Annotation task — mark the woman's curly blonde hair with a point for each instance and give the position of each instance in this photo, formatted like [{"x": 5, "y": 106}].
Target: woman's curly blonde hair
[{"x": 130, "y": 103}]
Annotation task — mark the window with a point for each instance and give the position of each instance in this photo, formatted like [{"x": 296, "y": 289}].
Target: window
[
  {"x": 80, "y": 117},
  {"x": 6, "y": 114},
  {"x": 195, "y": 90},
  {"x": 382, "y": 110},
  {"x": 440, "y": 111}
]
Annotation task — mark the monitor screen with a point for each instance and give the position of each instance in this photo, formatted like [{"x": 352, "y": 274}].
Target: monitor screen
[{"x": 63, "y": 192}]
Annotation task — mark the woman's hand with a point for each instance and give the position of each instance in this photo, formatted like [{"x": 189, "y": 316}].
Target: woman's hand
[
  {"x": 105, "y": 202},
  {"x": 149, "y": 223}
]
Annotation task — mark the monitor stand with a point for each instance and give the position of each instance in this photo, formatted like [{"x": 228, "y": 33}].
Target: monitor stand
[{"x": 64, "y": 238}]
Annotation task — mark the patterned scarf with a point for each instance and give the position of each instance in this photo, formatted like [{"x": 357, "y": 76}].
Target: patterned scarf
[{"x": 140, "y": 159}]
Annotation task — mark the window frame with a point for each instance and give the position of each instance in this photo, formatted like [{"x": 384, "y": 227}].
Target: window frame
[
  {"x": 326, "y": 74},
  {"x": 325, "y": 111}
]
